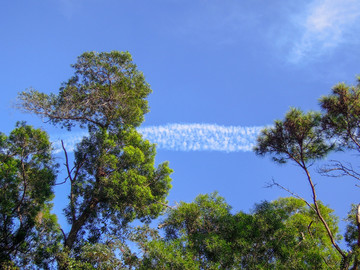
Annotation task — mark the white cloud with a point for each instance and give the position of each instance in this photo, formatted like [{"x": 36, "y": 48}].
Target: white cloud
[
  {"x": 188, "y": 137},
  {"x": 69, "y": 139},
  {"x": 324, "y": 26},
  {"x": 202, "y": 137}
]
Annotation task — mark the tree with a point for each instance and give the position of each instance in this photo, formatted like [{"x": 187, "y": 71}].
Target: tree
[
  {"x": 342, "y": 114},
  {"x": 114, "y": 179},
  {"x": 300, "y": 139},
  {"x": 27, "y": 176},
  {"x": 304, "y": 241},
  {"x": 341, "y": 121},
  {"x": 204, "y": 234},
  {"x": 106, "y": 92}
]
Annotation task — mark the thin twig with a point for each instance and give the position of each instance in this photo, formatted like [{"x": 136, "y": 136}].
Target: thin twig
[
  {"x": 66, "y": 161},
  {"x": 63, "y": 233},
  {"x": 164, "y": 204},
  {"x": 274, "y": 183}
]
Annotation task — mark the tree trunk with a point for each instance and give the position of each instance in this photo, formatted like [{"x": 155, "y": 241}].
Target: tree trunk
[{"x": 79, "y": 222}]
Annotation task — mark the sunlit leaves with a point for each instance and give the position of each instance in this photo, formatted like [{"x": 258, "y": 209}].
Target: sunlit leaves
[
  {"x": 27, "y": 176},
  {"x": 106, "y": 91},
  {"x": 114, "y": 179},
  {"x": 298, "y": 137},
  {"x": 204, "y": 234},
  {"x": 342, "y": 115}
]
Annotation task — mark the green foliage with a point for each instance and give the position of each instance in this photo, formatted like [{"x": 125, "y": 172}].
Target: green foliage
[
  {"x": 94, "y": 256},
  {"x": 352, "y": 229},
  {"x": 114, "y": 179},
  {"x": 284, "y": 234},
  {"x": 304, "y": 138},
  {"x": 310, "y": 247},
  {"x": 341, "y": 121},
  {"x": 124, "y": 183},
  {"x": 298, "y": 138},
  {"x": 168, "y": 255},
  {"x": 342, "y": 114},
  {"x": 106, "y": 91},
  {"x": 27, "y": 175}
]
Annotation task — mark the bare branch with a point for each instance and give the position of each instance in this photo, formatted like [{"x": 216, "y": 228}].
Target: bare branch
[
  {"x": 309, "y": 229},
  {"x": 338, "y": 169},
  {"x": 274, "y": 183},
  {"x": 66, "y": 162},
  {"x": 23, "y": 174},
  {"x": 164, "y": 204},
  {"x": 63, "y": 233}
]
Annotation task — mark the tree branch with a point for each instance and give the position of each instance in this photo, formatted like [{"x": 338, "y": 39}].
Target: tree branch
[
  {"x": 274, "y": 183},
  {"x": 338, "y": 167}
]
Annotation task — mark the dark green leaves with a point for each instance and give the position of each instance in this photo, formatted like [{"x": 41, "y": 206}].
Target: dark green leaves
[
  {"x": 120, "y": 168},
  {"x": 298, "y": 137},
  {"x": 114, "y": 179},
  {"x": 342, "y": 115},
  {"x": 107, "y": 91},
  {"x": 27, "y": 175},
  {"x": 204, "y": 234}
]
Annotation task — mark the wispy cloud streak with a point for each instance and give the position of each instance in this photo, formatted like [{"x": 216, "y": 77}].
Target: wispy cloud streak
[
  {"x": 185, "y": 137},
  {"x": 202, "y": 137},
  {"x": 325, "y": 25},
  {"x": 69, "y": 139}
]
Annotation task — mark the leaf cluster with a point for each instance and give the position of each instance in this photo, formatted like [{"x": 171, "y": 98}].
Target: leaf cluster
[
  {"x": 106, "y": 91},
  {"x": 342, "y": 115},
  {"x": 27, "y": 176},
  {"x": 204, "y": 234},
  {"x": 298, "y": 137}
]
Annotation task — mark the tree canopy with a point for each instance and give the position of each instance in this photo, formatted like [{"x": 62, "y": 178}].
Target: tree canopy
[
  {"x": 113, "y": 180},
  {"x": 27, "y": 176},
  {"x": 204, "y": 234},
  {"x": 305, "y": 138},
  {"x": 106, "y": 91}
]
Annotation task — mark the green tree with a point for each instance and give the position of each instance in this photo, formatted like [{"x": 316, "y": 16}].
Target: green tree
[
  {"x": 341, "y": 121},
  {"x": 27, "y": 176},
  {"x": 114, "y": 179},
  {"x": 299, "y": 138},
  {"x": 204, "y": 234},
  {"x": 304, "y": 241},
  {"x": 341, "y": 116}
]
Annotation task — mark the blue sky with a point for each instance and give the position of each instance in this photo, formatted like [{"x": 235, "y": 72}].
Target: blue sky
[{"x": 217, "y": 68}]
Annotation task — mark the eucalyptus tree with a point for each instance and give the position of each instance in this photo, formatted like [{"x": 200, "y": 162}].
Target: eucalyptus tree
[
  {"x": 113, "y": 180},
  {"x": 205, "y": 234}
]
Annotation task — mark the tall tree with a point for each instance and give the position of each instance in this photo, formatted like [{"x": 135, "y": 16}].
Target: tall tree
[
  {"x": 27, "y": 176},
  {"x": 114, "y": 179},
  {"x": 341, "y": 121},
  {"x": 299, "y": 138}
]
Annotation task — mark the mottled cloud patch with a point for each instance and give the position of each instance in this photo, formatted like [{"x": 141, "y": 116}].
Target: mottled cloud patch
[
  {"x": 185, "y": 137},
  {"x": 325, "y": 25},
  {"x": 69, "y": 139},
  {"x": 202, "y": 137}
]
